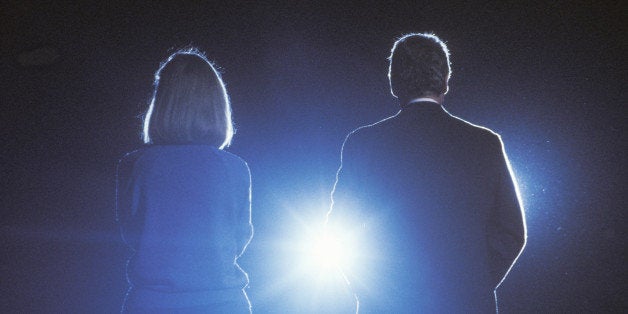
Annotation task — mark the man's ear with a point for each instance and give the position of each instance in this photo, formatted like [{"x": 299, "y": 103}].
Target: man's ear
[{"x": 393, "y": 90}]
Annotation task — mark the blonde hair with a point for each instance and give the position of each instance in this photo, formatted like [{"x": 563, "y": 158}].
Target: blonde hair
[{"x": 190, "y": 104}]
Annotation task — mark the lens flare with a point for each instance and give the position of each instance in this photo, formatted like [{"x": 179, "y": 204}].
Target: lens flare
[{"x": 324, "y": 252}]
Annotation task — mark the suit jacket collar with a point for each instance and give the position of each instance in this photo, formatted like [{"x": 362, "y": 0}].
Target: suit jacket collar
[{"x": 421, "y": 105}]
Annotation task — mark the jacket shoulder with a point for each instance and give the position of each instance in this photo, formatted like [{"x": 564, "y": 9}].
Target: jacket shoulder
[
  {"x": 126, "y": 162},
  {"x": 480, "y": 133},
  {"x": 236, "y": 161}
]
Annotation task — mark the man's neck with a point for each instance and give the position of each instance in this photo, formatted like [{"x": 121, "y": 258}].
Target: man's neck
[
  {"x": 423, "y": 99},
  {"x": 429, "y": 98}
]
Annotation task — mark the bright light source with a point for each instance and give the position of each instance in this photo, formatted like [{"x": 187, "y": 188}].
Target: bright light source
[
  {"x": 324, "y": 252},
  {"x": 326, "y": 258},
  {"x": 313, "y": 259}
]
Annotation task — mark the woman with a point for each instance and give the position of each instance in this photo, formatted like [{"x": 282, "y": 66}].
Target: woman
[{"x": 183, "y": 203}]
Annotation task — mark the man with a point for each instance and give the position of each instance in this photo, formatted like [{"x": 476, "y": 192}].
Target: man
[{"x": 430, "y": 196}]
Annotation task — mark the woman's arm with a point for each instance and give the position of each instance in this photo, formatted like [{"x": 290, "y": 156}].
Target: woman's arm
[
  {"x": 244, "y": 223},
  {"x": 126, "y": 196}
]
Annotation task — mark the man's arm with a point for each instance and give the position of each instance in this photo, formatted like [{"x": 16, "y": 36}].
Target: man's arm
[
  {"x": 507, "y": 228},
  {"x": 345, "y": 219}
]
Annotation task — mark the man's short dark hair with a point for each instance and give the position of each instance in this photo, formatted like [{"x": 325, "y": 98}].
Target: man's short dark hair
[{"x": 419, "y": 66}]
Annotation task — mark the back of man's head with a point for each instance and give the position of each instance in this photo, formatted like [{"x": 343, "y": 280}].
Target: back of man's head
[{"x": 419, "y": 66}]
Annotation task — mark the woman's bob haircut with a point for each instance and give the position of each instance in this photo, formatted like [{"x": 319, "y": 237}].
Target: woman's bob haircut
[{"x": 190, "y": 104}]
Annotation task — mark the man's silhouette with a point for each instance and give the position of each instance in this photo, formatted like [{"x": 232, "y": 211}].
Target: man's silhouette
[{"x": 430, "y": 197}]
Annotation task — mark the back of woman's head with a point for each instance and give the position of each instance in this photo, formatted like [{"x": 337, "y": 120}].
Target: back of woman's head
[{"x": 190, "y": 104}]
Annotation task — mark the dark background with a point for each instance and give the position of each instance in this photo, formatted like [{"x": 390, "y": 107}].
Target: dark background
[{"x": 550, "y": 78}]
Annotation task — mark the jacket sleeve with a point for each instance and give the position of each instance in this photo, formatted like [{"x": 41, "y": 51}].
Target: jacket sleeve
[
  {"x": 507, "y": 228},
  {"x": 345, "y": 195}
]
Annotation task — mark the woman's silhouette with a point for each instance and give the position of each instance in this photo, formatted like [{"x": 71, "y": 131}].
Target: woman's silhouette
[{"x": 183, "y": 203}]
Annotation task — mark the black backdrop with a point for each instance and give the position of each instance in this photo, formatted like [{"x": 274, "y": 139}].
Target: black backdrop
[{"x": 75, "y": 77}]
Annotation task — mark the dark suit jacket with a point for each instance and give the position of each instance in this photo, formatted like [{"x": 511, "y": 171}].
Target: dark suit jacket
[{"x": 434, "y": 211}]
